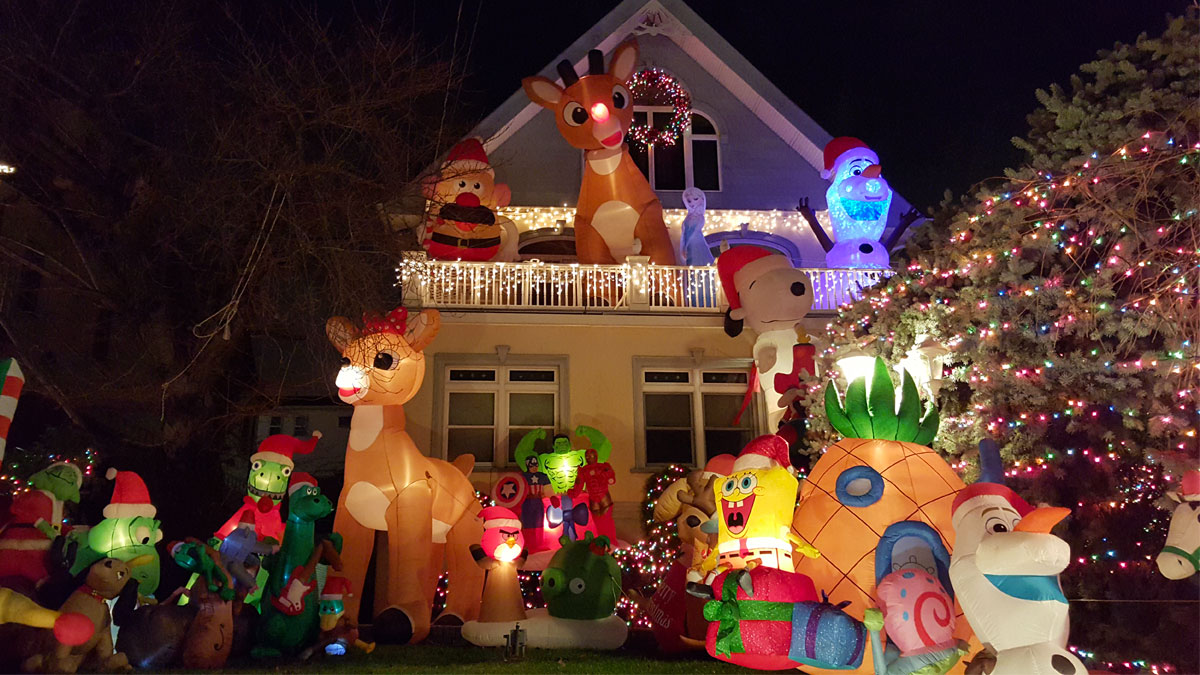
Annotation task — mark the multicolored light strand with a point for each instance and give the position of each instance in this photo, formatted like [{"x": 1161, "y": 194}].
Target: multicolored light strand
[{"x": 653, "y": 86}]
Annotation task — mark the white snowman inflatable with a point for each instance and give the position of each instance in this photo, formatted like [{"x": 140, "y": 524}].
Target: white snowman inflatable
[{"x": 1004, "y": 571}]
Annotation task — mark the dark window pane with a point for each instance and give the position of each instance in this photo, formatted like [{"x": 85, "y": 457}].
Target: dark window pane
[
  {"x": 472, "y": 408},
  {"x": 639, "y": 116},
  {"x": 718, "y": 442},
  {"x": 665, "y": 446},
  {"x": 702, "y": 125},
  {"x": 476, "y": 442},
  {"x": 721, "y": 409},
  {"x": 481, "y": 375},
  {"x": 301, "y": 426},
  {"x": 668, "y": 167},
  {"x": 706, "y": 173},
  {"x": 531, "y": 410},
  {"x": 665, "y": 376},
  {"x": 726, "y": 378},
  {"x": 531, "y": 376},
  {"x": 668, "y": 410},
  {"x": 276, "y": 426},
  {"x": 514, "y": 437}
]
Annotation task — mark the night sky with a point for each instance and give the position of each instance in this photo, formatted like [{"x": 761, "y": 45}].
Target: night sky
[{"x": 938, "y": 89}]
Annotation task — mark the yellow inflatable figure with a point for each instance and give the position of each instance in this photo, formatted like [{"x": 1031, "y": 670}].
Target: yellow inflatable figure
[{"x": 755, "y": 504}]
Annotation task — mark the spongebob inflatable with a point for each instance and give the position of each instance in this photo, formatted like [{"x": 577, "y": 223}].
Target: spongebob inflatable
[{"x": 754, "y": 512}]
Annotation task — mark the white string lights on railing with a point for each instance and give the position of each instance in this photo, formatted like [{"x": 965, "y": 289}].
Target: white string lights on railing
[
  {"x": 574, "y": 287},
  {"x": 530, "y": 218}
]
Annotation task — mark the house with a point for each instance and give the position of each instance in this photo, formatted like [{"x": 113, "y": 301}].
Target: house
[{"x": 527, "y": 344}]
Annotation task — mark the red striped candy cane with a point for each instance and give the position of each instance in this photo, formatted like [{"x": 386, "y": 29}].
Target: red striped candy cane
[{"x": 13, "y": 381}]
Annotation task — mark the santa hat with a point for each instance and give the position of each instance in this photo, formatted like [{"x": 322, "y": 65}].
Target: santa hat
[
  {"x": 468, "y": 156},
  {"x": 280, "y": 448},
  {"x": 984, "y": 489},
  {"x": 335, "y": 588},
  {"x": 299, "y": 480},
  {"x": 836, "y": 148},
  {"x": 498, "y": 516},
  {"x": 1189, "y": 489},
  {"x": 739, "y": 266},
  {"x": 763, "y": 452},
  {"x": 130, "y": 497}
]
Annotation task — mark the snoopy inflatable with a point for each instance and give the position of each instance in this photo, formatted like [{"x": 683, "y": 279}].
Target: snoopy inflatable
[{"x": 1005, "y": 570}]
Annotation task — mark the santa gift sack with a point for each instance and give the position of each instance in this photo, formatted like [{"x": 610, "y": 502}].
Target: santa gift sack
[
  {"x": 826, "y": 637},
  {"x": 750, "y": 619}
]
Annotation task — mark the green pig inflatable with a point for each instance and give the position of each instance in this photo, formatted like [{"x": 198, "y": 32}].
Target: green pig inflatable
[
  {"x": 128, "y": 531},
  {"x": 582, "y": 580}
]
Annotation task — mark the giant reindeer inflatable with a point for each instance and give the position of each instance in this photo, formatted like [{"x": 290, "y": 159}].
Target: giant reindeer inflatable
[
  {"x": 425, "y": 508},
  {"x": 616, "y": 206}
]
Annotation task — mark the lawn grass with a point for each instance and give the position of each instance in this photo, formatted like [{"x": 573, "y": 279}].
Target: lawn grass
[{"x": 471, "y": 659}]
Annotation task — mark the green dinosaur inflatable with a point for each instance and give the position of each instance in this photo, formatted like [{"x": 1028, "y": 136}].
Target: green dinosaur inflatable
[{"x": 290, "y": 619}]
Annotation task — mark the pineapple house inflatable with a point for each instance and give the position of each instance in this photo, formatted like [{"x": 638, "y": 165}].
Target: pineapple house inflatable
[{"x": 878, "y": 501}]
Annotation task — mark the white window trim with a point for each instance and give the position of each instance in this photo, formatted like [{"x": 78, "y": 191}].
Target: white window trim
[
  {"x": 688, "y": 171},
  {"x": 695, "y": 385},
  {"x": 442, "y": 363}
]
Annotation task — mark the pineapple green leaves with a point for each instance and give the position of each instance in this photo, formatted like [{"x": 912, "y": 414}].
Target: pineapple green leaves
[{"x": 875, "y": 414}]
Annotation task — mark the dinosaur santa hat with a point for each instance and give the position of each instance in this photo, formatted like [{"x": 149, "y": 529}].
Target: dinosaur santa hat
[
  {"x": 299, "y": 480},
  {"x": 130, "y": 497},
  {"x": 468, "y": 156},
  {"x": 764, "y": 452},
  {"x": 280, "y": 448},
  {"x": 739, "y": 267}
]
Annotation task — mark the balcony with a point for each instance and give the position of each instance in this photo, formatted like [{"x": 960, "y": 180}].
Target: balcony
[{"x": 630, "y": 288}]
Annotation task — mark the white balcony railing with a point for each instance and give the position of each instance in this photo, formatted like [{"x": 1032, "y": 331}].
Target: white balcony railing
[{"x": 625, "y": 288}]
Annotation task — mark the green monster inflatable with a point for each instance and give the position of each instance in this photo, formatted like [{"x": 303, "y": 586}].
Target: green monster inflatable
[
  {"x": 290, "y": 619},
  {"x": 128, "y": 531},
  {"x": 582, "y": 580}
]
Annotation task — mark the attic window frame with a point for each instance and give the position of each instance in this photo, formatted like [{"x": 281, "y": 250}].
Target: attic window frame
[{"x": 689, "y": 178}]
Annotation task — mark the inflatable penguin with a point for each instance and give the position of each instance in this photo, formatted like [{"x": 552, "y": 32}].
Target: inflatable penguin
[{"x": 1005, "y": 570}]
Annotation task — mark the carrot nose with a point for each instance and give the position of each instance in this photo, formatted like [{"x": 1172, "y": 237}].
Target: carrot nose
[
  {"x": 1041, "y": 520},
  {"x": 872, "y": 171},
  {"x": 600, "y": 112}
]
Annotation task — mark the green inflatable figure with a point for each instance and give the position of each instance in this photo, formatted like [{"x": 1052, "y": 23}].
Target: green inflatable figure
[
  {"x": 202, "y": 560},
  {"x": 290, "y": 619},
  {"x": 562, "y": 464},
  {"x": 582, "y": 580},
  {"x": 128, "y": 531}
]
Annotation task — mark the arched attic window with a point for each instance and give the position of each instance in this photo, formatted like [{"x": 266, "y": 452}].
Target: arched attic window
[
  {"x": 745, "y": 237},
  {"x": 694, "y": 161}
]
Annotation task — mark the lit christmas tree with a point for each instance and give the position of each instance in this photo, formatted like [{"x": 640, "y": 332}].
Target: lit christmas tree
[{"x": 1067, "y": 298}]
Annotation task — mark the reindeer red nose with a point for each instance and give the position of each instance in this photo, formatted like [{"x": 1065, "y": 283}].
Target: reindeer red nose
[
  {"x": 600, "y": 112},
  {"x": 467, "y": 199},
  {"x": 872, "y": 171}
]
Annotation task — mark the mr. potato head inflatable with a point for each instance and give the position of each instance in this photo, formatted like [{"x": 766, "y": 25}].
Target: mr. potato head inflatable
[
  {"x": 462, "y": 223},
  {"x": 770, "y": 297}
]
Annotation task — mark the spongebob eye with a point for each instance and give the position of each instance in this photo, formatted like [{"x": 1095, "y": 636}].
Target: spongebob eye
[
  {"x": 729, "y": 486},
  {"x": 748, "y": 482}
]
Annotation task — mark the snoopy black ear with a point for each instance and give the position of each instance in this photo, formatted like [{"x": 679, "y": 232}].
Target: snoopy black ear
[{"x": 733, "y": 327}]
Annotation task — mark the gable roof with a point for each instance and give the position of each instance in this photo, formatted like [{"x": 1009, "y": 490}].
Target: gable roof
[{"x": 677, "y": 21}]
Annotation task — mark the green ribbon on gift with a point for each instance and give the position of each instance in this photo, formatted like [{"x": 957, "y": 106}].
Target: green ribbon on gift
[{"x": 730, "y": 612}]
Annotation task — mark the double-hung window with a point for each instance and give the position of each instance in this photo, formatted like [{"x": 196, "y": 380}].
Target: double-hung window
[
  {"x": 486, "y": 407},
  {"x": 685, "y": 412}
]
